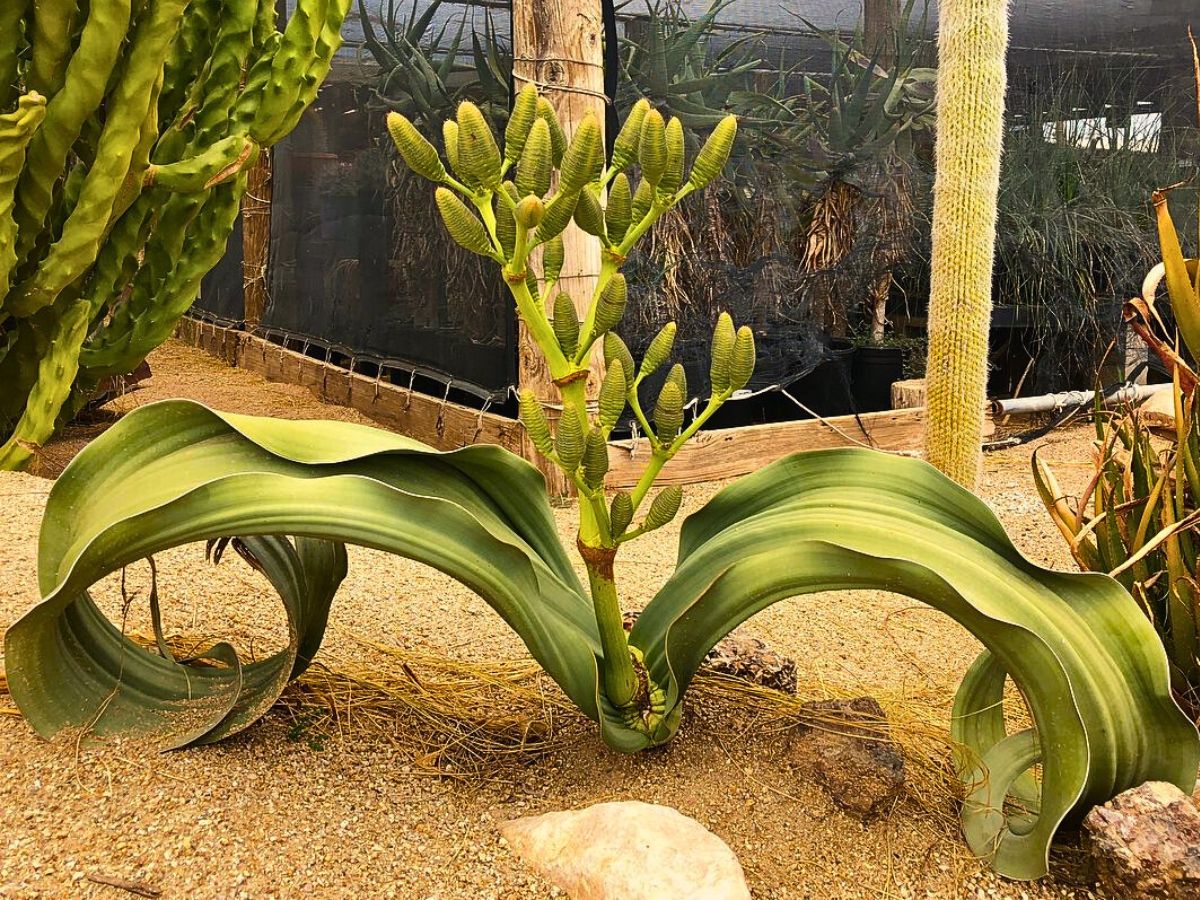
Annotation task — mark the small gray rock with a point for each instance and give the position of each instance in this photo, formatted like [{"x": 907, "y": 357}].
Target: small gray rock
[
  {"x": 1146, "y": 843},
  {"x": 844, "y": 745},
  {"x": 746, "y": 658}
]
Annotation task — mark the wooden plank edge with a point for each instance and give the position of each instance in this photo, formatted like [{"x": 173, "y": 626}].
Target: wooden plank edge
[
  {"x": 711, "y": 455},
  {"x": 442, "y": 424},
  {"x": 732, "y": 452}
]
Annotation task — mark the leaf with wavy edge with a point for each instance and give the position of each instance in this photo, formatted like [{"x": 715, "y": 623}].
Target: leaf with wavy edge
[
  {"x": 1087, "y": 660},
  {"x": 174, "y": 472}
]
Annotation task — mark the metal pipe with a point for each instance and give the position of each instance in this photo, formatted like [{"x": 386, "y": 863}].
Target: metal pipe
[{"x": 1123, "y": 393}]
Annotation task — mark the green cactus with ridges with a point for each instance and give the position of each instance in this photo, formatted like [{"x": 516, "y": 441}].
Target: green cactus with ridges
[
  {"x": 16, "y": 131},
  {"x": 595, "y": 459},
  {"x": 714, "y": 154},
  {"x": 566, "y": 323},
  {"x": 558, "y": 216},
  {"x": 535, "y": 423},
  {"x": 51, "y": 28},
  {"x": 643, "y": 200},
  {"x": 611, "y": 402},
  {"x": 620, "y": 513},
  {"x": 524, "y": 115},
  {"x": 611, "y": 305},
  {"x": 419, "y": 155},
  {"x": 625, "y": 146},
  {"x": 615, "y": 349},
  {"x": 558, "y": 138},
  {"x": 552, "y": 258},
  {"x": 668, "y": 412},
  {"x": 113, "y": 210},
  {"x": 568, "y": 442},
  {"x": 12, "y": 13},
  {"x": 652, "y": 148},
  {"x": 741, "y": 360},
  {"x": 212, "y": 166},
  {"x": 659, "y": 350},
  {"x": 131, "y": 101},
  {"x": 663, "y": 508},
  {"x": 672, "y": 174},
  {"x": 450, "y": 142},
  {"x": 66, "y": 113},
  {"x": 506, "y": 224},
  {"x": 678, "y": 376},
  {"x": 477, "y": 151},
  {"x": 56, "y": 373},
  {"x": 588, "y": 214},
  {"x": 584, "y": 157}
]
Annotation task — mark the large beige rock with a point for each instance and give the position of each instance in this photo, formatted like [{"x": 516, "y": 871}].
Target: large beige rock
[
  {"x": 1146, "y": 843},
  {"x": 629, "y": 850}
]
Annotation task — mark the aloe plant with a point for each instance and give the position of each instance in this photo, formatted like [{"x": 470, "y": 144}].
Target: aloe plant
[
  {"x": 668, "y": 59},
  {"x": 1137, "y": 517},
  {"x": 423, "y": 76},
  {"x": 1088, "y": 663}
]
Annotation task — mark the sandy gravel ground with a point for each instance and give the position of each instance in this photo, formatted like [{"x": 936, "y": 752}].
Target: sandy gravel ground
[{"x": 266, "y": 815}]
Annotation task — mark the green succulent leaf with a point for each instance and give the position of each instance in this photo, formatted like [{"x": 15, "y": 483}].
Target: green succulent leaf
[
  {"x": 175, "y": 472},
  {"x": 1085, "y": 657}
]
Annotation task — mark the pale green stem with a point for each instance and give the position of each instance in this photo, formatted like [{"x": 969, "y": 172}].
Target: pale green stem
[
  {"x": 662, "y": 455},
  {"x": 534, "y": 315},
  {"x": 484, "y": 205},
  {"x": 620, "y": 680},
  {"x": 521, "y": 248},
  {"x": 608, "y": 268}
]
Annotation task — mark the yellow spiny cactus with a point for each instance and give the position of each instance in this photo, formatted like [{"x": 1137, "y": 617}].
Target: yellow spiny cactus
[{"x": 972, "y": 38}]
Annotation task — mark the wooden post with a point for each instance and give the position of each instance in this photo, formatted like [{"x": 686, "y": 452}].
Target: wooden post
[
  {"x": 558, "y": 45},
  {"x": 881, "y": 20},
  {"x": 256, "y": 240}
]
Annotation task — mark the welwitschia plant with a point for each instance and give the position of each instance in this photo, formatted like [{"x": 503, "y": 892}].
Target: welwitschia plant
[
  {"x": 1085, "y": 658},
  {"x": 126, "y": 133}
]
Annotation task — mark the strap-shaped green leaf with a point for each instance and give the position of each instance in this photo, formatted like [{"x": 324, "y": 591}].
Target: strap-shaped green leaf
[
  {"x": 176, "y": 472},
  {"x": 1086, "y": 658}
]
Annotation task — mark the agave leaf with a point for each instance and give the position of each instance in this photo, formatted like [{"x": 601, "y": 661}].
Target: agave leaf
[
  {"x": 1185, "y": 300},
  {"x": 382, "y": 55},
  {"x": 1084, "y": 655},
  {"x": 175, "y": 472}
]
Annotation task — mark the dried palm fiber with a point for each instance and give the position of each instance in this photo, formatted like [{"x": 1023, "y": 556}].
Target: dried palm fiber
[{"x": 972, "y": 39}]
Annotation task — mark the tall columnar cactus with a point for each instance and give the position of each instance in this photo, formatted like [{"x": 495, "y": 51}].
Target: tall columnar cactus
[
  {"x": 126, "y": 131},
  {"x": 972, "y": 38}
]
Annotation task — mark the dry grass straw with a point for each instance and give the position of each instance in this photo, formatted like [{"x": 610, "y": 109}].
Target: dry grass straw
[
  {"x": 464, "y": 719},
  {"x": 6, "y": 709}
]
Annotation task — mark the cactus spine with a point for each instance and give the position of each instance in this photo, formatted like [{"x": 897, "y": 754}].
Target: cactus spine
[
  {"x": 972, "y": 37},
  {"x": 123, "y": 150}
]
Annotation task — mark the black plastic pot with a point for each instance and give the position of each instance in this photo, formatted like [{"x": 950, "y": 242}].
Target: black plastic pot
[
  {"x": 872, "y": 374},
  {"x": 826, "y": 390}
]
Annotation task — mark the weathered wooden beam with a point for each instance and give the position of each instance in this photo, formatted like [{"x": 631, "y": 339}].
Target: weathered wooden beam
[
  {"x": 223, "y": 343},
  {"x": 711, "y": 455},
  {"x": 439, "y": 423},
  {"x": 442, "y": 424},
  {"x": 256, "y": 239},
  {"x": 730, "y": 452}
]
